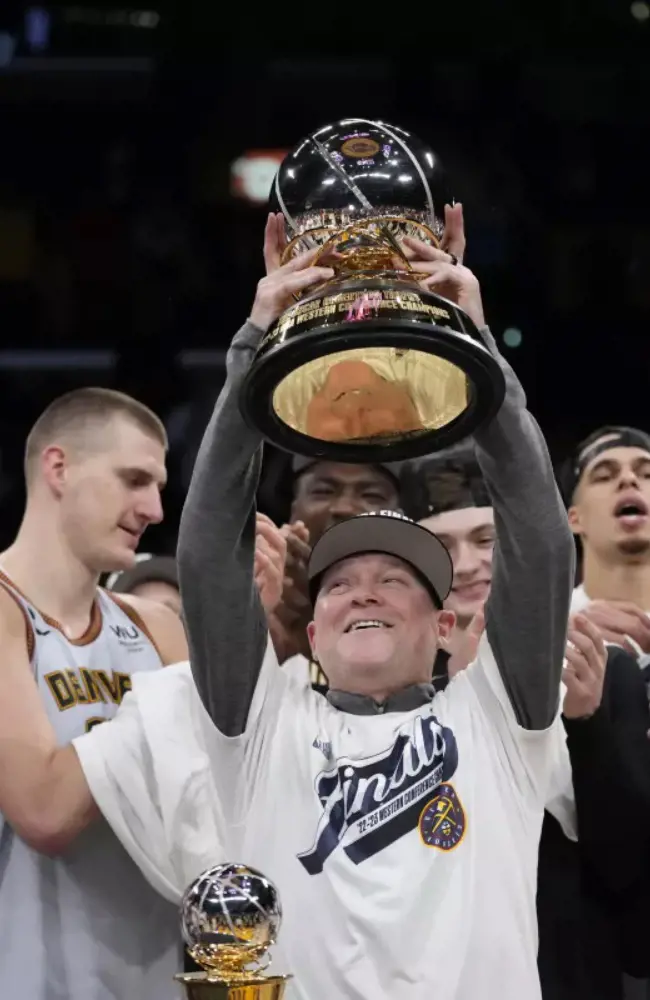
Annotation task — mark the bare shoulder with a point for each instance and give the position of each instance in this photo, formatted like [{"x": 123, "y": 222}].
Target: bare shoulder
[
  {"x": 162, "y": 625},
  {"x": 14, "y": 622},
  {"x": 16, "y": 631}
]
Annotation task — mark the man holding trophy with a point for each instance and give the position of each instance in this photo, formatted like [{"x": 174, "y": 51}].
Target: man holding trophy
[
  {"x": 397, "y": 826},
  {"x": 400, "y": 826}
]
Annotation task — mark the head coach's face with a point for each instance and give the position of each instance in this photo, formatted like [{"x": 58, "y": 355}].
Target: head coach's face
[{"x": 378, "y": 581}]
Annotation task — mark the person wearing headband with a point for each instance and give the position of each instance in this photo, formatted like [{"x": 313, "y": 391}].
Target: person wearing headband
[
  {"x": 607, "y": 490},
  {"x": 400, "y": 824}
]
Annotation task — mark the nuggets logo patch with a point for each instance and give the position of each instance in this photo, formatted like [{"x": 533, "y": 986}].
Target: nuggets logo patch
[{"x": 442, "y": 821}]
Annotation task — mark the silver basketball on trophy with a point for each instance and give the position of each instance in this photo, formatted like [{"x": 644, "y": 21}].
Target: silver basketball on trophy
[{"x": 230, "y": 917}]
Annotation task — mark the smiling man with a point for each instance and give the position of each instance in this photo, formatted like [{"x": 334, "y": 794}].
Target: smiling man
[
  {"x": 607, "y": 488},
  {"x": 400, "y": 825},
  {"x": 374, "y": 648},
  {"x": 85, "y": 924}
]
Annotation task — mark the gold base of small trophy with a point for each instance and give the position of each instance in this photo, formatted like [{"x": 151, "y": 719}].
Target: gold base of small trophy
[{"x": 202, "y": 986}]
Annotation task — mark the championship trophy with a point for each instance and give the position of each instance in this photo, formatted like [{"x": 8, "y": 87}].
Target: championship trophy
[
  {"x": 230, "y": 917},
  {"x": 368, "y": 366}
]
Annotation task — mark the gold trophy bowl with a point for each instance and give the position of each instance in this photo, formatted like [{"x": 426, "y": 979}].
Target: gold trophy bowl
[
  {"x": 370, "y": 366},
  {"x": 230, "y": 917}
]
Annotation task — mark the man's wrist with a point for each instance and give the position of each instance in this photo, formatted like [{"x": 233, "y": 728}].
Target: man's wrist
[
  {"x": 257, "y": 322},
  {"x": 579, "y": 718}
]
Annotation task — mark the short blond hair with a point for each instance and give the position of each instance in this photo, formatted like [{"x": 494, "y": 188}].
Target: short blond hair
[{"x": 92, "y": 406}]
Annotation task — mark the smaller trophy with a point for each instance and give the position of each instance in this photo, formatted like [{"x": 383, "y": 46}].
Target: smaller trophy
[{"x": 230, "y": 917}]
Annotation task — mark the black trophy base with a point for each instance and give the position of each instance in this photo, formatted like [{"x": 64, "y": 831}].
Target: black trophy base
[{"x": 371, "y": 369}]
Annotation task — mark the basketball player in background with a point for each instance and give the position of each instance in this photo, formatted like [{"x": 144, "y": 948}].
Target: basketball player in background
[
  {"x": 606, "y": 486},
  {"x": 607, "y": 490},
  {"x": 83, "y": 924}
]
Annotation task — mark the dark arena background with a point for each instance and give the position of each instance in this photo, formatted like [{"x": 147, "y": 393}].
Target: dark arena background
[{"x": 137, "y": 147}]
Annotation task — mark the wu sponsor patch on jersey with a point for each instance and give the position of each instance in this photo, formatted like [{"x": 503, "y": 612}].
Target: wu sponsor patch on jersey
[
  {"x": 442, "y": 821},
  {"x": 369, "y": 803},
  {"x": 129, "y": 637}
]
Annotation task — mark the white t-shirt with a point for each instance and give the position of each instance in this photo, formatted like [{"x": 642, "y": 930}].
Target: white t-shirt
[
  {"x": 299, "y": 669},
  {"x": 404, "y": 846},
  {"x": 561, "y": 799}
]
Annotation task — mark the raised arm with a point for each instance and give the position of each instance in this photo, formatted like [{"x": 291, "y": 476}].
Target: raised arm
[
  {"x": 224, "y": 617},
  {"x": 534, "y": 556}
]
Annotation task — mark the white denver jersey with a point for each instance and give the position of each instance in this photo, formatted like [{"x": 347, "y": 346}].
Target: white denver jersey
[
  {"x": 404, "y": 845},
  {"x": 85, "y": 926}
]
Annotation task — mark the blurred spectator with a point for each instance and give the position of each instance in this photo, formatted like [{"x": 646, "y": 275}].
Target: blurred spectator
[{"x": 152, "y": 577}]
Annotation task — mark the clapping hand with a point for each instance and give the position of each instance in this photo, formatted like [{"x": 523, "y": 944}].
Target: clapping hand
[
  {"x": 296, "y": 605},
  {"x": 292, "y": 614},
  {"x": 622, "y": 623},
  {"x": 584, "y": 670},
  {"x": 270, "y": 558}
]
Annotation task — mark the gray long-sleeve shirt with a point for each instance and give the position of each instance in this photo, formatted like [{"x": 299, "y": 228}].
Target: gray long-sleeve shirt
[{"x": 533, "y": 569}]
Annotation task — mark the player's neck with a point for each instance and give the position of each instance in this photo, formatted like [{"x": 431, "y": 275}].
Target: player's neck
[
  {"x": 41, "y": 565},
  {"x": 616, "y": 581}
]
